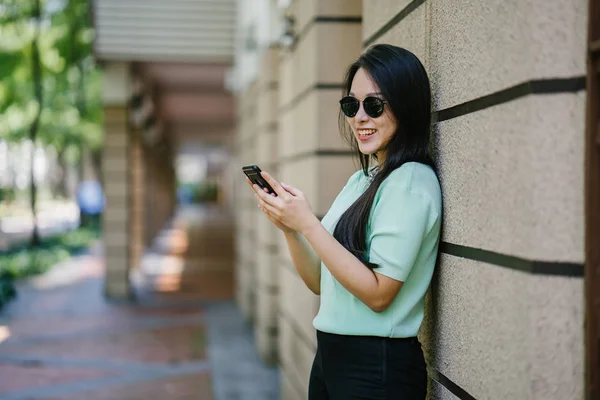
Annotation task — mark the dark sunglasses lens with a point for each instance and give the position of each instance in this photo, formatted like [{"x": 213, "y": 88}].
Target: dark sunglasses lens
[
  {"x": 349, "y": 106},
  {"x": 373, "y": 106}
]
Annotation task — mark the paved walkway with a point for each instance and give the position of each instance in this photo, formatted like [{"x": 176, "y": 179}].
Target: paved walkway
[{"x": 62, "y": 340}]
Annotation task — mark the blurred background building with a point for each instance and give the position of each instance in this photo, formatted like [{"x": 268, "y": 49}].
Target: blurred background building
[
  {"x": 166, "y": 105},
  {"x": 194, "y": 89}
]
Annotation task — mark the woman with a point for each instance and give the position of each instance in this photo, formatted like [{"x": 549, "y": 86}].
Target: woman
[{"x": 372, "y": 256}]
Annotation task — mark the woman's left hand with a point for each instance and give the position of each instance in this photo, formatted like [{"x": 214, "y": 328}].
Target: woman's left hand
[{"x": 290, "y": 207}]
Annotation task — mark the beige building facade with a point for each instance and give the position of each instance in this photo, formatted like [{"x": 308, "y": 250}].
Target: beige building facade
[
  {"x": 505, "y": 317},
  {"x": 165, "y": 67}
]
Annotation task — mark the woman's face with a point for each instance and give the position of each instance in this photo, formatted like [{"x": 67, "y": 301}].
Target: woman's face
[{"x": 372, "y": 134}]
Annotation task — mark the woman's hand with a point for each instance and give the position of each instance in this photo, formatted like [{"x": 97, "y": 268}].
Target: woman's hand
[
  {"x": 289, "y": 210},
  {"x": 275, "y": 222}
]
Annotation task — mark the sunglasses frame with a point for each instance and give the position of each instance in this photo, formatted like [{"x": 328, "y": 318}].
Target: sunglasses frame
[{"x": 375, "y": 115}]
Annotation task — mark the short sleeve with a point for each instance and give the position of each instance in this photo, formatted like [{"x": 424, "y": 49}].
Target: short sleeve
[{"x": 398, "y": 225}]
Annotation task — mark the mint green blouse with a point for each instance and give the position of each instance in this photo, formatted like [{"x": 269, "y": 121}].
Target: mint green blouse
[{"x": 403, "y": 235}]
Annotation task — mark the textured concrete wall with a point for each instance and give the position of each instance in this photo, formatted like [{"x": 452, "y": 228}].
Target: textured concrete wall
[
  {"x": 140, "y": 187},
  {"x": 116, "y": 218},
  {"x": 139, "y": 184},
  {"x": 267, "y": 285},
  {"x": 115, "y": 173},
  {"x": 137, "y": 189},
  {"x": 246, "y": 213},
  {"x": 286, "y": 126},
  {"x": 158, "y": 186},
  {"x": 506, "y": 313},
  {"x": 312, "y": 157}
]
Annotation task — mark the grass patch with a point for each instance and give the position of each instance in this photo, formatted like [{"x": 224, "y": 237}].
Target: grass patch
[{"x": 23, "y": 262}]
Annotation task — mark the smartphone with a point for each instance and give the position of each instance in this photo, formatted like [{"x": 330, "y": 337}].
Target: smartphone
[{"x": 253, "y": 173}]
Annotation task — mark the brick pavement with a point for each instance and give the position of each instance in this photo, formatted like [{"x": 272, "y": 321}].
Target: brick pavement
[{"x": 65, "y": 341}]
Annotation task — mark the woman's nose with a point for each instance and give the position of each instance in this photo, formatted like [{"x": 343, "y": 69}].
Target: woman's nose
[{"x": 361, "y": 115}]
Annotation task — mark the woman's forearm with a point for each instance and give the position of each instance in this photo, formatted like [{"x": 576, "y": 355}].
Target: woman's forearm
[
  {"x": 305, "y": 260},
  {"x": 348, "y": 270}
]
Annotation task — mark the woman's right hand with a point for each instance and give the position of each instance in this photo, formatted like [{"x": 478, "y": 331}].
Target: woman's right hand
[
  {"x": 274, "y": 221},
  {"x": 278, "y": 224}
]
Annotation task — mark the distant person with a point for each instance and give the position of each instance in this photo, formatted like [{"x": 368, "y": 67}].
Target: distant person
[
  {"x": 91, "y": 202},
  {"x": 372, "y": 256},
  {"x": 185, "y": 195}
]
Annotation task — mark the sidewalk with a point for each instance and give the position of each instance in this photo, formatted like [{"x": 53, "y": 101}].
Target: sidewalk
[{"x": 62, "y": 340}]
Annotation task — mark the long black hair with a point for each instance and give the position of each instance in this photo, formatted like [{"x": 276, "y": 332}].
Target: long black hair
[{"x": 403, "y": 82}]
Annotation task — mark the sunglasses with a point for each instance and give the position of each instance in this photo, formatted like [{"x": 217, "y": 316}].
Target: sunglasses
[{"x": 372, "y": 105}]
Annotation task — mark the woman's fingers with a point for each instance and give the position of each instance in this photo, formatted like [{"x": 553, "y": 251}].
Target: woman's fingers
[
  {"x": 254, "y": 184},
  {"x": 268, "y": 208},
  {"x": 274, "y": 184},
  {"x": 264, "y": 196},
  {"x": 255, "y": 187},
  {"x": 290, "y": 189},
  {"x": 271, "y": 215},
  {"x": 262, "y": 204}
]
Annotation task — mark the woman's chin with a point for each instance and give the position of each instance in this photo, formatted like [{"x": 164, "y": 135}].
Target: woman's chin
[{"x": 367, "y": 150}]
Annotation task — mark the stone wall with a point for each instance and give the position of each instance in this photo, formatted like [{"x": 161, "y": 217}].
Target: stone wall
[{"x": 505, "y": 314}]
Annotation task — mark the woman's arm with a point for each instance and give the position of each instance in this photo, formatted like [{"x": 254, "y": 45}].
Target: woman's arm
[
  {"x": 377, "y": 291},
  {"x": 291, "y": 209},
  {"x": 400, "y": 221},
  {"x": 303, "y": 256},
  {"x": 305, "y": 260}
]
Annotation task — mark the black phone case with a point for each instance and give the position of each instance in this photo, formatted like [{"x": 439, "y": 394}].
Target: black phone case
[{"x": 253, "y": 173}]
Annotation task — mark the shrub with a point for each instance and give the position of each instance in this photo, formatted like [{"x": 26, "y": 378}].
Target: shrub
[{"x": 23, "y": 262}]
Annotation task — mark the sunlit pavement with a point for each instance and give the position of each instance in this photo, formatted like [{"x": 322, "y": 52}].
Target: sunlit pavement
[{"x": 62, "y": 340}]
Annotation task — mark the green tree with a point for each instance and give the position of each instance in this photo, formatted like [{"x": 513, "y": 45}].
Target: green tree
[
  {"x": 50, "y": 87},
  {"x": 36, "y": 75}
]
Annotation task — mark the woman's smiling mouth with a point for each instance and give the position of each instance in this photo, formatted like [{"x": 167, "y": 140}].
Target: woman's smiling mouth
[{"x": 364, "y": 134}]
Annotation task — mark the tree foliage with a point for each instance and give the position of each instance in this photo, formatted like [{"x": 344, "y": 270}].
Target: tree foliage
[
  {"x": 71, "y": 109},
  {"x": 50, "y": 86}
]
